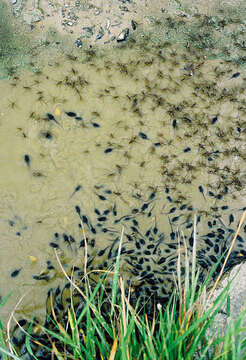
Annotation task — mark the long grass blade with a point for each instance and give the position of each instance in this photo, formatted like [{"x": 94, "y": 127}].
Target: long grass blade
[
  {"x": 113, "y": 350},
  {"x": 116, "y": 273}
]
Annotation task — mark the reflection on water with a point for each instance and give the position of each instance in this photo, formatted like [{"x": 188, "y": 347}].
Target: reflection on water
[{"x": 145, "y": 137}]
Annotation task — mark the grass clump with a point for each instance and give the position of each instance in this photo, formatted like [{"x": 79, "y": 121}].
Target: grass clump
[
  {"x": 104, "y": 324},
  {"x": 14, "y": 44}
]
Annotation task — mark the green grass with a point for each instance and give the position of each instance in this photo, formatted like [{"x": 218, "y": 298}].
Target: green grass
[{"x": 185, "y": 329}]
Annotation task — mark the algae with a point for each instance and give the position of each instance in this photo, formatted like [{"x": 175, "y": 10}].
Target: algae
[{"x": 14, "y": 44}]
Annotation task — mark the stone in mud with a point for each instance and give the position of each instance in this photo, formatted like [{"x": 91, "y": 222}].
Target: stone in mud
[
  {"x": 100, "y": 34},
  {"x": 78, "y": 43},
  {"x": 123, "y": 35},
  {"x": 32, "y": 16},
  {"x": 88, "y": 31},
  {"x": 133, "y": 24}
]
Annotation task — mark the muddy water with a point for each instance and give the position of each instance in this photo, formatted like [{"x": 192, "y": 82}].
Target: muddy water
[{"x": 152, "y": 126}]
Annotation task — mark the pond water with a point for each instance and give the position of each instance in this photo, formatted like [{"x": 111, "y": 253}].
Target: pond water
[{"x": 142, "y": 136}]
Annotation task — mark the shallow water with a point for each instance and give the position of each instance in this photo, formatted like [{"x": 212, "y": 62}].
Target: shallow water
[{"x": 151, "y": 129}]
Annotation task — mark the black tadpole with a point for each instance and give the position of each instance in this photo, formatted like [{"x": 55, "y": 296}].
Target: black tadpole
[
  {"x": 67, "y": 239},
  {"x": 133, "y": 24},
  {"x": 101, "y": 197},
  {"x": 95, "y": 125},
  {"x": 96, "y": 211},
  {"x": 145, "y": 206},
  {"x": 108, "y": 192},
  {"x": 11, "y": 223},
  {"x": 175, "y": 218},
  {"x": 174, "y": 124},
  {"x": 102, "y": 252},
  {"x": 46, "y": 134},
  {"x": 15, "y": 273},
  {"x": 114, "y": 210},
  {"x": 27, "y": 159},
  {"x": 54, "y": 245},
  {"x": 231, "y": 219},
  {"x": 108, "y": 150},
  {"x": 51, "y": 117},
  {"x": 93, "y": 230},
  {"x": 78, "y": 187},
  {"x": 152, "y": 195},
  {"x": 142, "y": 135},
  {"x": 41, "y": 277},
  {"x": 214, "y": 120},
  {"x": 224, "y": 207},
  {"x": 236, "y": 75},
  {"x": 84, "y": 219},
  {"x": 77, "y": 209},
  {"x": 70, "y": 113},
  {"x": 200, "y": 188}
]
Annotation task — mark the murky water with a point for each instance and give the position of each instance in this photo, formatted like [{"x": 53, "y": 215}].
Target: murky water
[{"x": 157, "y": 134}]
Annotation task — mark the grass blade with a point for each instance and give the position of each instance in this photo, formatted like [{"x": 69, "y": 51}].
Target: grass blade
[{"x": 116, "y": 274}]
